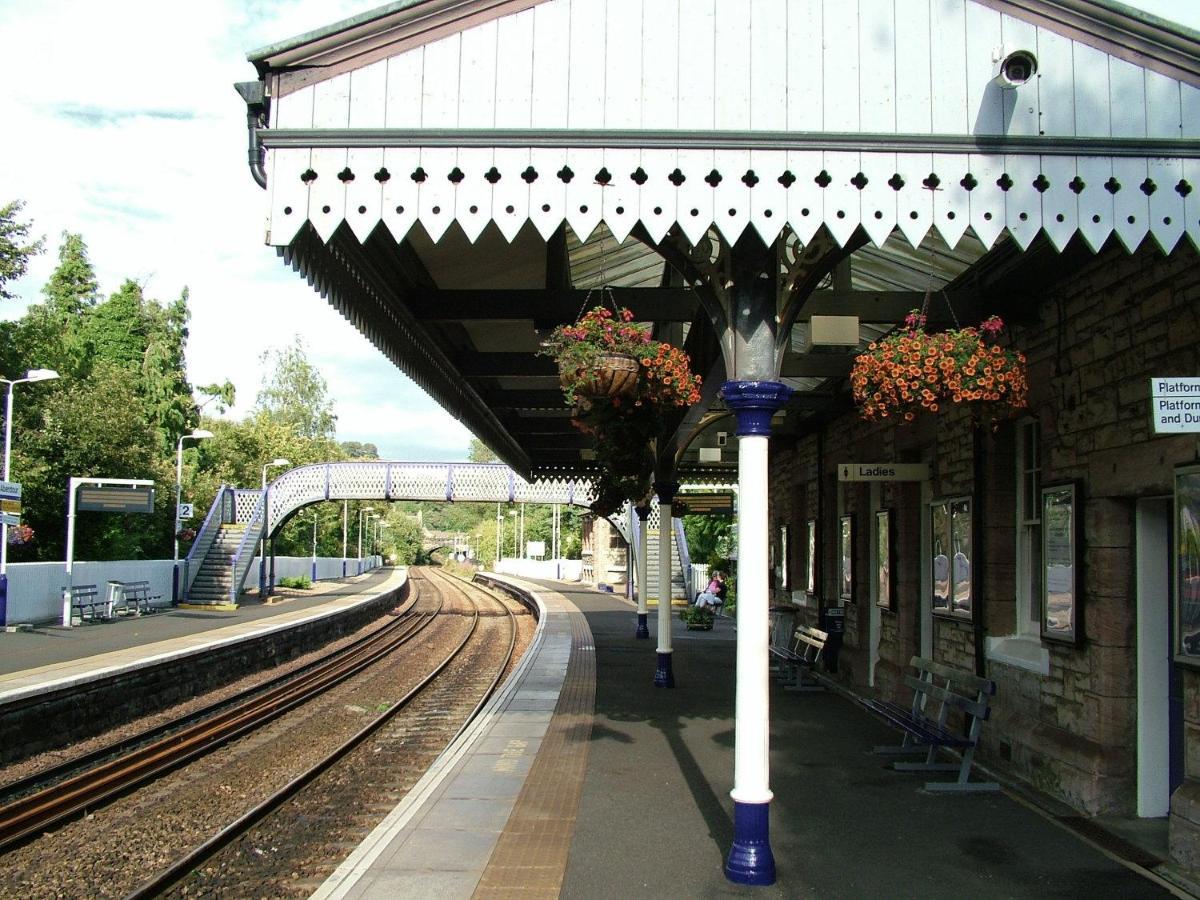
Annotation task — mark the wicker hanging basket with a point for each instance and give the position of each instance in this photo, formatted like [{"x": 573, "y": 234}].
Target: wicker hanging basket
[{"x": 613, "y": 375}]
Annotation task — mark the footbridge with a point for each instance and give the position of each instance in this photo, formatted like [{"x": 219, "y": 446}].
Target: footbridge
[{"x": 224, "y": 549}]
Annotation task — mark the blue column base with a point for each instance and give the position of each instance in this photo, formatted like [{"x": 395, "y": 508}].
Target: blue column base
[
  {"x": 663, "y": 676},
  {"x": 750, "y": 859},
  {"x": 3, "y": 597},
  {"x": 643, "y": 630}
]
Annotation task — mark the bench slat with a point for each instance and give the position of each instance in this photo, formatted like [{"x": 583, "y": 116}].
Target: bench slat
[{"x": 968, "y": 682}]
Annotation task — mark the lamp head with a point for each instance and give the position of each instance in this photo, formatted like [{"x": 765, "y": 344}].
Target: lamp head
[
  {"x": 280, "y": 461},
  {"x": 41, "y": 375},
  {"x": 200, "y": 433}
]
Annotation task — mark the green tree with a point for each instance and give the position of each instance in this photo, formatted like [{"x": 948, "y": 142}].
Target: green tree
[
  {"x": 15, "y": 248},
  {"x": 295, "y": 393},
  {"x": 93, "y": 428},
  {"x": 50, "y": 334},
  {"x": 479, "y": 452},
  {"x": 403, "y": 540},
  {"x": 359, "y": 450},
  {"x": 147, "y": 340},
  {"x": 72, "y": 287},
  {"x": 223, "y": 395},
  {"x": 709, "y": 539}
]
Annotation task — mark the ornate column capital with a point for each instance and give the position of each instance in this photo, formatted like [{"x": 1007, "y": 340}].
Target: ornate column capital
[
  {"x": 753, "y": 403},
  {"x": 666, "y": 490}
]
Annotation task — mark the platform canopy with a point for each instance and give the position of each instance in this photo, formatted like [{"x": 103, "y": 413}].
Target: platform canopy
[{"x": 455, "y": 175}]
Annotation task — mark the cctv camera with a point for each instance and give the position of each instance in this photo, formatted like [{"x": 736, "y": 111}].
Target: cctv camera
[{"x": 1015, "y": 67}]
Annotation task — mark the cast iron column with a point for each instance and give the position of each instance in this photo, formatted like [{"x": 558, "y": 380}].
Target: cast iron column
[
  {"x": 663, "y": 676},
  {"x": 750, "y": 859},
  {"x": 643, "y": 513}
]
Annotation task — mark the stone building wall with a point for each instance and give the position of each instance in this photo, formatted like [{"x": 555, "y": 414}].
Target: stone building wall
[{"x": 1093, "y": 342}]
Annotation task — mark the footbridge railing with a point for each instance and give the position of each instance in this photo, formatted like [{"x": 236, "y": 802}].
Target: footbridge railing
[{"x": 379, "y": 480}]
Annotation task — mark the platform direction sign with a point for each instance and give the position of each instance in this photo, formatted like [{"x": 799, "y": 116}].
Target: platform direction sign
[
  {"x": 126, "y": 498},
  {"x": 10, "y": 503},
  {"x": 1175, "y": 405},
  {"x": 883, "y": 471}
]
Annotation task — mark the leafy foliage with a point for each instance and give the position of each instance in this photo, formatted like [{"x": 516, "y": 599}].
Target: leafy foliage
[
  {"x": 911, "y": 371},
  {"x": 14, "y": 250},
  {"x": 294, "y": 393}
]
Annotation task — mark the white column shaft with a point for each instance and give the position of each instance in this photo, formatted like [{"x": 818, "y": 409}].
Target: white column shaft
[
  {"x": 643, "y": 546},
  {"x": 751, "y": 769},
  {"x": 664, "y": 577}
]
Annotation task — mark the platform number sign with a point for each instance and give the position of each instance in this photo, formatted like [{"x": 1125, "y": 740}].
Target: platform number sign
[{"x": 186, "y": 510}]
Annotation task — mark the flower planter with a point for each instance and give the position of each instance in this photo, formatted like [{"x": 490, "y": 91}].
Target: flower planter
[
  {"x": 698, "y": 626},
  {"x": 613, "y": 375},
  {"x": 911, "y": 371}
]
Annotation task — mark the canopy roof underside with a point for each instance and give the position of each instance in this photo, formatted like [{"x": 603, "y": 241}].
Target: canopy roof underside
[{"x": 460, "y": 176}]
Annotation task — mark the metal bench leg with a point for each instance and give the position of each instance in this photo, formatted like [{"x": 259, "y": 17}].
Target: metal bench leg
[
  {"x": 963, "y": 785},
  {"x": 905, "y": 748}
]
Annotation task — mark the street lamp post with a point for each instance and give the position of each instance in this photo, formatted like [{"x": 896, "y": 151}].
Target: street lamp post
[
  {"x": 314, "y": 555},
  {"x": 197, "y": 434},
  {"x": 379, "y": 526},
  {"x": 30, "y": 376},
  {"x": 371, "y": 540},
  {"x": 365, "y": 509},
  {"x": 512, "y": 514},
  {"x": 263, "y": 587}
]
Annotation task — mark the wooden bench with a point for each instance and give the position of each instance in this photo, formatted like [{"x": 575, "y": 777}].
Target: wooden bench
[
  {"x": 134, "y": 597},
  {"x": 796, "y": 660},
  {"x": 926, "y": 730},
  {"x": 87, "y": 600}
]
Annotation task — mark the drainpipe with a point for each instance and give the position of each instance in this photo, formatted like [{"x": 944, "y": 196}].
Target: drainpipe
[
  {"x": 978, "y": 545},
  {"x": 254, "y": 93}
]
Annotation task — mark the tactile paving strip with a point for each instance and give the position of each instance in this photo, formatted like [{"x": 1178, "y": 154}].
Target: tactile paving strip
[{"x": 531, "y": 856}]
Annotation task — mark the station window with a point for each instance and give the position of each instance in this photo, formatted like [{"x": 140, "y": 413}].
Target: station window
[
  {"x": 1023, "y": 648},
  {"x": 1029, "y": 528}
]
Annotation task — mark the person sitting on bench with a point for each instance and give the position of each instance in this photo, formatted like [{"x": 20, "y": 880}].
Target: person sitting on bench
[{"x": 714, "y": 594}]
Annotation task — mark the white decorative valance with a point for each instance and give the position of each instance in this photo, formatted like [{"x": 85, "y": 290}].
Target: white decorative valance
[{"x": 733, "y": 190}]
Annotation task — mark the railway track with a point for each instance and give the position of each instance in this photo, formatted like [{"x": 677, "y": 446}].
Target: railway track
[{"x": 472, "y": 635}]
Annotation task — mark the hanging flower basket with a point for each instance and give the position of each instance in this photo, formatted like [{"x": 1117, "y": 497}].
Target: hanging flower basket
[
  {"x": 610, "y": 375},
  {"x": 912, "y": 371},
  {"x": 620, "y": 382}
]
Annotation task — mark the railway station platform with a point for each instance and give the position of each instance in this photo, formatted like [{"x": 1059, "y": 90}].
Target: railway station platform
[
  {"x": 50, "y": 657},
  {"x": 583, "y": 780},
  {"x": 592, "y": 783}
]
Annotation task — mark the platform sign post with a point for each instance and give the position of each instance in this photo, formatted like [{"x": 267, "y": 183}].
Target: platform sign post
[{"x": 135, "y": 495}]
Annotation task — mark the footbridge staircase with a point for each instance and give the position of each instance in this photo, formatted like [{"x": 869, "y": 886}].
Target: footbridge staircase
[{"x": 223, "y": 552}]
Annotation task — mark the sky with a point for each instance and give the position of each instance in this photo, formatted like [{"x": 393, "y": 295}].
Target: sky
[{"x": 120, "y": 122}]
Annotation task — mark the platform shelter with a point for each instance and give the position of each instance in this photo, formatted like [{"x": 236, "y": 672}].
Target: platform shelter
[{"x": 772, "y": 184}]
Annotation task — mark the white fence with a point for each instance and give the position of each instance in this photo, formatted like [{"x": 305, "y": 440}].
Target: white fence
[
  {"x": 558, "y": 569},
  {"x": 35, "y": 589}
]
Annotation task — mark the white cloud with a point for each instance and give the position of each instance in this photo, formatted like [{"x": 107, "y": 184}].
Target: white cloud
[{"x": 134, "y": 137}]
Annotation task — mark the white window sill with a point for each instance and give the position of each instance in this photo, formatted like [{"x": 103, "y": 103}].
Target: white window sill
[{"x": 1021, "y": 651}]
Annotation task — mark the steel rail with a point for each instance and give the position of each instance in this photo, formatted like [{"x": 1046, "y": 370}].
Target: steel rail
[
  {"x": 30, "y": 816},
  {"x": 512, "y": 643},
  {"x": 13, "y": 790},
  {"x": 185, "y": 864}
]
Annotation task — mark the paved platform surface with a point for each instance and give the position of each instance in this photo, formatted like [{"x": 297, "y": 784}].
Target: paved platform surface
[
  {"x": 655, "y": 817},
  {"x": 601, "y": 785},
  {"x": 51, "y": 653}
]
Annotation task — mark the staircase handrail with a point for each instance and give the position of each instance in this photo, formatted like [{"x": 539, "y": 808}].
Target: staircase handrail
[
  {"x": 203, "y": 541},
  {"x": 240, "y": 563},
  {"x": 685, "y": 562}
]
